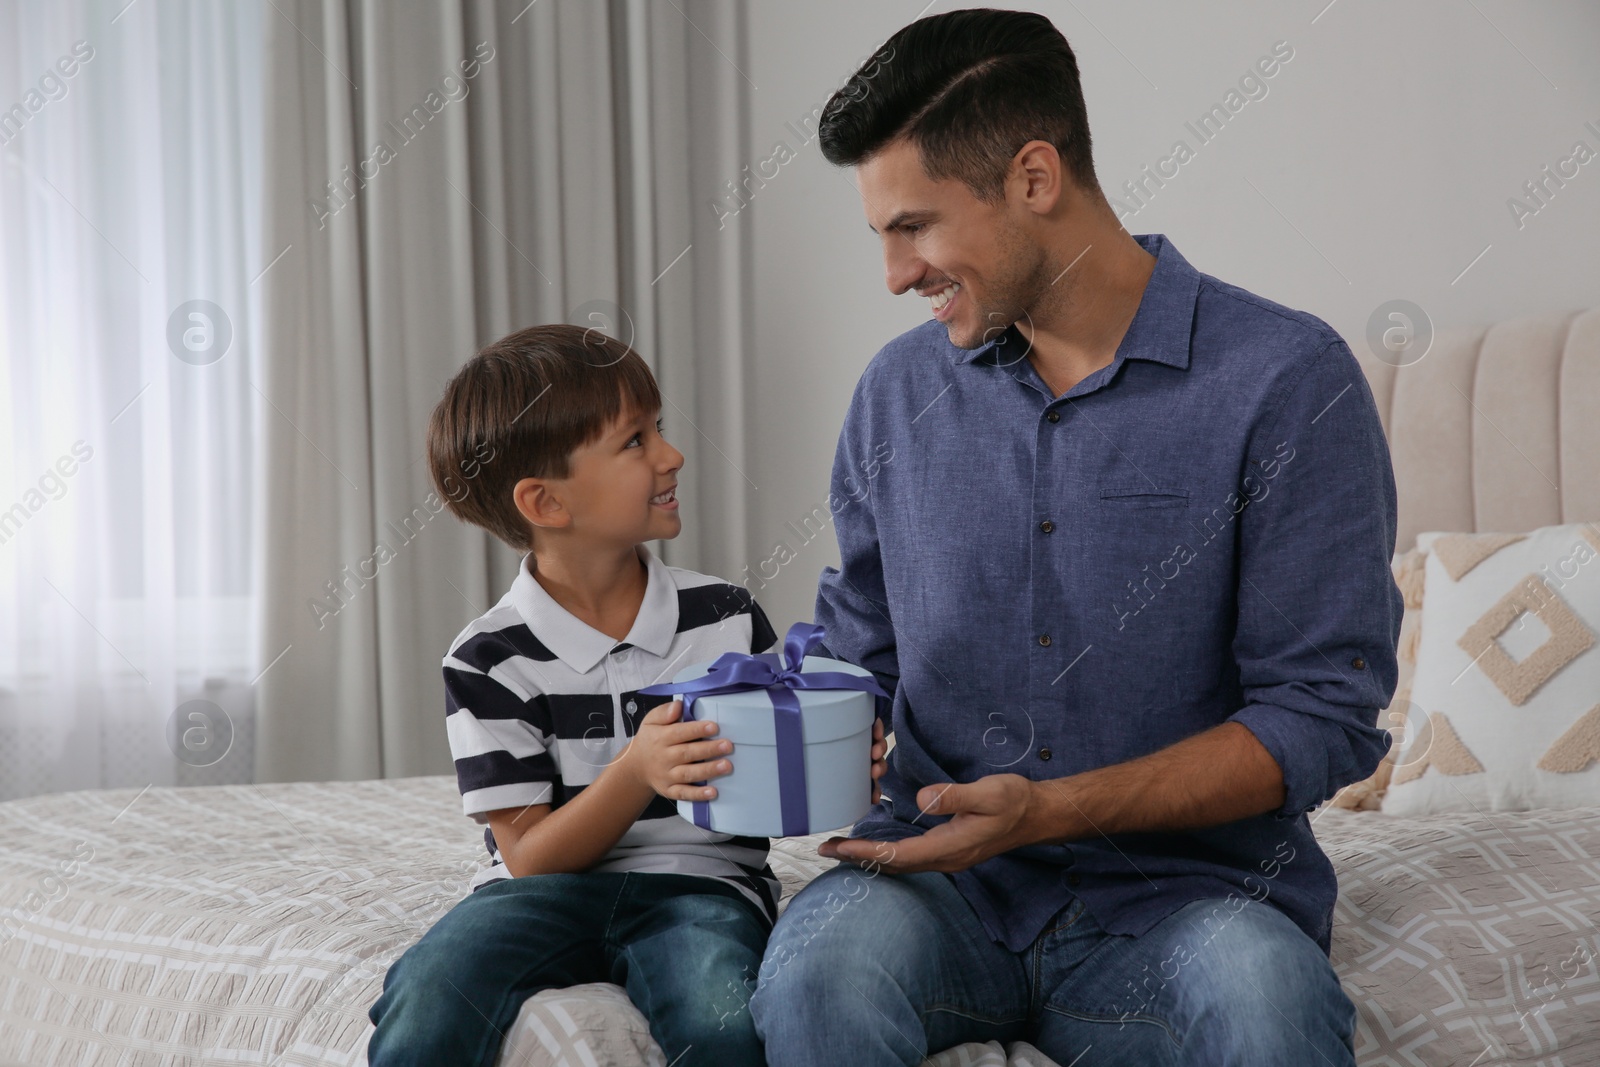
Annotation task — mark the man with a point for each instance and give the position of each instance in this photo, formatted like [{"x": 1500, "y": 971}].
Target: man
[{"x": 1128, "y": 580}]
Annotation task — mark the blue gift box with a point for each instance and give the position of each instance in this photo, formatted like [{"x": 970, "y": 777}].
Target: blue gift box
[{"x": 801, "y": 728}]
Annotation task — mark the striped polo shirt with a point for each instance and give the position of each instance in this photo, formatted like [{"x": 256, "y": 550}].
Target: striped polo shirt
[{"x": 538, "y": 702}]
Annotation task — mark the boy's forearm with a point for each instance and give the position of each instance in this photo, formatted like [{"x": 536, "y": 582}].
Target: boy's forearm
[{"x": 577, "y": 835}]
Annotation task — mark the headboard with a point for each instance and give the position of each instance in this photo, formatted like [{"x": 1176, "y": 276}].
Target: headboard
[{"x": 1495, "y": 429}]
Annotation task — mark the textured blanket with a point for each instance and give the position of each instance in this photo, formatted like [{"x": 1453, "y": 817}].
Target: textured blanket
[{"x": 253, "y": 925}]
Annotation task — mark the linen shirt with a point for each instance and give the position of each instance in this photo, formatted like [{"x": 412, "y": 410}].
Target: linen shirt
[
  {"x": 538, "y": 702},
  {"x": 1200, "y": 532}
]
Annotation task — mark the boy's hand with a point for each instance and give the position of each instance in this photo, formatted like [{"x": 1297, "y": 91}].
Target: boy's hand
[
  {"x": 880, "y": 750},
  {"x": 667, "y": 754}
]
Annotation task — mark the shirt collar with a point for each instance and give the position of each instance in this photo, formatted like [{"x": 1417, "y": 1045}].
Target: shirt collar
[
  {"x": 1161, "y": 329},
  {"x": 579, "y": 645}
]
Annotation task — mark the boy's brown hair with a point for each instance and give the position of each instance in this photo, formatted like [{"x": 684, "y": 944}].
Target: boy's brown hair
[{"x": 519, "y": 408}]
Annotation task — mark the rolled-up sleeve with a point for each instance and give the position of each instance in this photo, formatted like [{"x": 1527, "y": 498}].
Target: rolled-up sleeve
[
  {"x": 1319, "y": 611},
  {"x": 851, "y": 602}
]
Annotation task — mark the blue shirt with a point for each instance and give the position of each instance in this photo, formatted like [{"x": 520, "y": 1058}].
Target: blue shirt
[{"x": 1198, "y": 533}]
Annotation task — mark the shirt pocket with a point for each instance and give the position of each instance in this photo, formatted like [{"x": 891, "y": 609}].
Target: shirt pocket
[{"x": 1144, "y": 496}]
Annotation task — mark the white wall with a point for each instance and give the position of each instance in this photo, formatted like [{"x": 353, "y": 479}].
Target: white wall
[{"x": 1377, "y": 166}]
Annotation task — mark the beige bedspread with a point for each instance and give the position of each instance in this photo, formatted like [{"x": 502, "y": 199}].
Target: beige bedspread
[{"x": 253, "y": 925}]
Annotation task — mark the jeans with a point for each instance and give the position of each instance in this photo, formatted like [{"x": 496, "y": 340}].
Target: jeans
[
  {"x": 686, "y": 948},
  {"x": 887, "y": 969}
]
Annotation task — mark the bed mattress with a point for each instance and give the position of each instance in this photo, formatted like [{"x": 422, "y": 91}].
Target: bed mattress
[{"x": 254, "y": 924}]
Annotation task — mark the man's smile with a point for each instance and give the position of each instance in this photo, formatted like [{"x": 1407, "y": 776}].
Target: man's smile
[{"x": 942, "y": 300}]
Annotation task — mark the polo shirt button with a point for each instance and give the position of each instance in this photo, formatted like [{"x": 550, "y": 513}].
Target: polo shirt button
[
  {"x": 1053, "y": 416},
  {"x": 1047, "y": 526},
  {"x": 1073, "y": 880},
  {"x": 1044, "y": 639},
  {"x": 633, "y": 705},
  {"x": 1044, "y": 753},
  {"x": 1359, "y": 664}
]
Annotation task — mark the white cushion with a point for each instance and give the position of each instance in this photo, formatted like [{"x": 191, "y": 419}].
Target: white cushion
[{"x": 1505, "y": 699}]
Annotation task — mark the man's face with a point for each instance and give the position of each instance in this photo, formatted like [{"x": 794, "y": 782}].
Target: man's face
[{"x": 937, "y": 235}]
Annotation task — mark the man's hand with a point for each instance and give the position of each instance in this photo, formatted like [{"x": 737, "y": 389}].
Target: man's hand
[
  {"x": 880, "y": 749},
  {"x": 989, "y": 816},
  {"x": 1218, "y": 776},
  {"x": 667, "y": 754}
]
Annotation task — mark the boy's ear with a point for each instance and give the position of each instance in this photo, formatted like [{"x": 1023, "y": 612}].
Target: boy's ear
[{"x": 539, "y": 505}]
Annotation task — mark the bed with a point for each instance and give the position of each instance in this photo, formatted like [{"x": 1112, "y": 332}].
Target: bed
[{"x": 253, "y": 924}]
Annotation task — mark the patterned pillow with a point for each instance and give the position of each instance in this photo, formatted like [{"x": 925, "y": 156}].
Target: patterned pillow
[{"x": 1504, "y": 702}]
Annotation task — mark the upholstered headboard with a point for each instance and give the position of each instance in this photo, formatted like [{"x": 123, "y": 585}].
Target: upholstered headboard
[{"x": 1495, "y": 429}]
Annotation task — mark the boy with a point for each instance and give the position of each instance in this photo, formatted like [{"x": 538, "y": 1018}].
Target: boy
[{"x": 550, "y": 439}]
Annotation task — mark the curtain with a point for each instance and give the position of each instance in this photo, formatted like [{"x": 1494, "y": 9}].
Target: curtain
[
  {"x": 437, "y": 175},
  {"x": 129, "y": 236}
]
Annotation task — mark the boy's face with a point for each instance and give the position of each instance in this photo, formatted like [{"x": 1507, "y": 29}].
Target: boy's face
[{"x": 621, "y": 488}]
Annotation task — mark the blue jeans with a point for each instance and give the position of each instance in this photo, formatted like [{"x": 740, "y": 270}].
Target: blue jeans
[
  {"x": 686, "y": 949},
  {"x": 871, "y": 969}
]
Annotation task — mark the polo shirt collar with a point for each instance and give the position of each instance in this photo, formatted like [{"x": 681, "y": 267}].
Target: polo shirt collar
[
  {"x": 579, "y": 645},
  {"x": 1162, "y": 327}
]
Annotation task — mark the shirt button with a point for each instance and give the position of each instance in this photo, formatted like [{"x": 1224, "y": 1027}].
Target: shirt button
[
  {"x": 633, "y": 705},
  {"x": 1044, "y": 639},
  {"x": 1053, "y": 416},
  {"x": 1359, "y": 664},
  {"x": 1044, "y": 753},
  {"x": 1047, "y": 526}
]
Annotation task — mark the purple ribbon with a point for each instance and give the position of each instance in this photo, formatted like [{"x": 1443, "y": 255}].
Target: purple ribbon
[{"x": 738, "y": 672}]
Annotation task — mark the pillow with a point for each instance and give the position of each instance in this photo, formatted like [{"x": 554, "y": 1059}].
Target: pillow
[{"x": 1504, "y": 710}]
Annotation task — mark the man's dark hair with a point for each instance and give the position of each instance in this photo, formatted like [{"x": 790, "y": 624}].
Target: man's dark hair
[
  {"x": 968, "y": 89},
  {"x": 519, "y": 408}
]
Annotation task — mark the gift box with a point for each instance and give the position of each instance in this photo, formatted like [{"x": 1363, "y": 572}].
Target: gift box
[{"x": 801, "y": 728}]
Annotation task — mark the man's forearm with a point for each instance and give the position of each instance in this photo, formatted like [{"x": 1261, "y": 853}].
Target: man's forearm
[{"x": 1215, "y": 777}]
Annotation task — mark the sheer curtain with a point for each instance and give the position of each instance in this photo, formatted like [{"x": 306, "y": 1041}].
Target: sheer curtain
[
  {"x": 225, "y": 313},
  {"x": 130, "y": 142}
]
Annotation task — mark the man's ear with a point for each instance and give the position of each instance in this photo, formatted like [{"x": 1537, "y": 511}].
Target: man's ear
[
  {"x": 537, "y": 502},
  {"x": 1038, "y": 173}
]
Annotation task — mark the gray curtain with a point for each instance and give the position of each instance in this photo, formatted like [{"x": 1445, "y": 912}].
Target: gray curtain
[{"x": 439, "y": 174}]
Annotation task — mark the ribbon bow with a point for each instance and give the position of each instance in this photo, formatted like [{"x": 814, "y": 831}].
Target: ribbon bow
[{"x": 738, "y": 672}]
